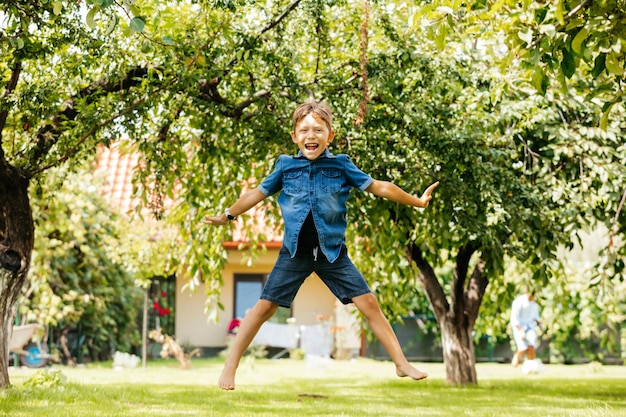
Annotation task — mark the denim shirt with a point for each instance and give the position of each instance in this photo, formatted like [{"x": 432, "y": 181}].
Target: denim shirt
[{"x": 321, "y": 187}]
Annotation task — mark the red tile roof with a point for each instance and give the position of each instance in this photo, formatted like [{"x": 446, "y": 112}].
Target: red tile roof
[
  {"x": 256, "y": 217},
  {"x": 118, "y": 168}
]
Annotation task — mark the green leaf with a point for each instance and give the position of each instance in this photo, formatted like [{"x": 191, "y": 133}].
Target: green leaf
[
  {"x": 604, "y": 120},
  {"x": 568, "y": 64},
  {"x": 526, "y": 36},
  {"x": 103, "y": 3},
  {"x": 440, "y": 39},
  {"x": 137, "y": 24},
  {"x": 146, "y": 46},
  {"x": 539, "y": 80},
  {"x": 579, "y": 39},
  {"x": 91, "y": 16},
  {"x": 167, "y": 39},
  {"x": 599, "y": 65},
  {"x": 497, "y": 6},
  {"x": 57, "y": 7},
  {"x": 558, "y": 12},
  {"x": 112, "y": 25},
  {"x": 613, "y": 65},
  {"x": 595, "y": 281}
]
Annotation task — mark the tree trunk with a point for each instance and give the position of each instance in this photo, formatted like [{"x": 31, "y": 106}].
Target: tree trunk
[
  {"x": 16, "y": 246},
  {"x": 456, "y": 317},
  {"x": 458, "y": 353}
]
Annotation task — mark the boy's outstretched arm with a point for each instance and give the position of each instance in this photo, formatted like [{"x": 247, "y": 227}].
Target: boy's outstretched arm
[
  {"x": 247, "y": 200},
  {"x": 390, "y": 191}
]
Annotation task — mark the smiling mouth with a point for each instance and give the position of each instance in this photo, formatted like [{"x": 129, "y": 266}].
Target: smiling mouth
[{"x": 311, "y": 146}]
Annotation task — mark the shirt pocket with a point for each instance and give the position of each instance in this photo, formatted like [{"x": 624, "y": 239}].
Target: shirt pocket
[
  {"x": 331, "y": 180},
  {"x": 292, "y": 181}
]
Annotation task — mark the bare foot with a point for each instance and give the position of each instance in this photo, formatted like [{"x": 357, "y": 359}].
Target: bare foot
[
  {"x": 410, "y": 371},
  {"x": 227, "y": 378}
]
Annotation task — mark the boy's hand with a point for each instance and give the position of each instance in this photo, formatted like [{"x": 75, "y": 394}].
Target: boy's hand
[
  {"x": 216, "y": 221},
  {"x": 427, "y": 196}
]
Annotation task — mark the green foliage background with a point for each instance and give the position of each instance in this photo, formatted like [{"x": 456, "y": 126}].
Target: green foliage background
[{"x": 79, "y": 278}]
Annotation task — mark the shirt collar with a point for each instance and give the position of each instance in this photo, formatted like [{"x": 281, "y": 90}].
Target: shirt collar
[{"x": 325, "y": 154}]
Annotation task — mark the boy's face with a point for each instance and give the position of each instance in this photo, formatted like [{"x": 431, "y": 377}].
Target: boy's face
[{"x": 312, "y": 136}]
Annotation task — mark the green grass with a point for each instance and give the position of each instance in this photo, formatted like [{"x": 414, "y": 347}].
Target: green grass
[{"x": 289, "y": 388}]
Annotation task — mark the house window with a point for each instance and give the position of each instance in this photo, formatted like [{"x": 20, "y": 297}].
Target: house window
[
  {"x": 247, "y": 292},
  {"x": 248, "y": 289}
]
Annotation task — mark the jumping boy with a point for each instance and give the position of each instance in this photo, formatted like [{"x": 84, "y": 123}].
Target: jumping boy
[{"x": 315, "y": 185}]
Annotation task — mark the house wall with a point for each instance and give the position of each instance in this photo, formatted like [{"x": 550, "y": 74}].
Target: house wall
[
  {"x": 313, "y": 300},
  {"x": 192, "y": 324}
]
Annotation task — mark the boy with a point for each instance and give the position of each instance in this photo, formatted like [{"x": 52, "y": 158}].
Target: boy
[{"x": 315, "y": 185}]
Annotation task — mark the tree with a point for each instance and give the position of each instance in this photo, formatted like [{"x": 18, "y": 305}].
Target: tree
[
  {"x": 578, "y": 45},
  {"x": 58, "y": 98}
]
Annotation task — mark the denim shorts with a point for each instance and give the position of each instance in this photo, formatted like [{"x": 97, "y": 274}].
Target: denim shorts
[{"x": 342, "y": 278}]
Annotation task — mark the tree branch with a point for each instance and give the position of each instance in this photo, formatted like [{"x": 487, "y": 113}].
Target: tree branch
[
  {"x": 246, "y": 103},
  {"x": 209, "y": 91},
  {"x": 568, "y": 16},
  {"x": 12, "y": 84},
  {"x": 280, "y": 18},
  {"x": 429, "y": 281},
  {"x": 92, "y": 131},
  {"x": 475, "y": 292},
  {"x": 365, "y": 97},
  {"x": 613, "y": 231},
  {"x": 48, "y": 135},
  {"x": 459, "y": 277},
  {"x": 86, "y": 136}
]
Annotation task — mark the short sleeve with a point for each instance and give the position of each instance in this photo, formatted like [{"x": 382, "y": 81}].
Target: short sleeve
[
  {"x": 355, "y": 177},
  {"x": 273, "y": 183}
]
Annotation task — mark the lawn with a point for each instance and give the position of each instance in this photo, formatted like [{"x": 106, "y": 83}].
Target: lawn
[{"x": 290, "y": 388}]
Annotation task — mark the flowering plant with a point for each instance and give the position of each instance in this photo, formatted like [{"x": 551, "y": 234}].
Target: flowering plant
[{"x": 161, "y": 311}]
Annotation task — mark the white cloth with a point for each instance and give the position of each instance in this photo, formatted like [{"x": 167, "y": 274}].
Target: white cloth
[
  {"x": 532, "y": 366},
  {"x": 277, "y": 335},
  {"x": 524, "y": 314},
  {"x": 317, "y": 340}
]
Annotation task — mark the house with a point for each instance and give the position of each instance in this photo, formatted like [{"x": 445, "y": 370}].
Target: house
[{"x": 314, "y": 308}]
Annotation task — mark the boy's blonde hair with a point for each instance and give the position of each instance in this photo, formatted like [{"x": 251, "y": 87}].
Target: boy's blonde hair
[{"x": 317, "y": 109}]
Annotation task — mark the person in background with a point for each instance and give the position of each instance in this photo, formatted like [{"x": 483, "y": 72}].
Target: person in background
[{"x": 524, "y": 321}]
